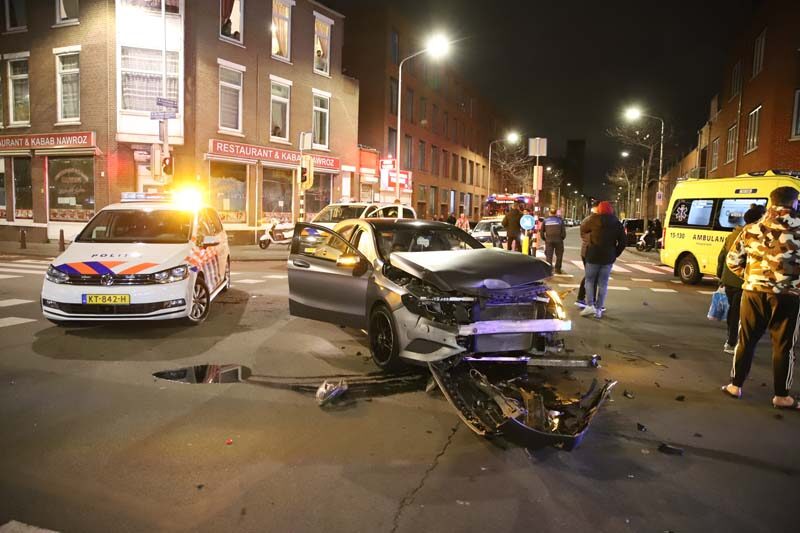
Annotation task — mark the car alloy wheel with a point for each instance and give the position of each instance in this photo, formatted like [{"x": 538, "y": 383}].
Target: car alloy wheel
[
  {"x": 383, "y": 342},
  {"x": 201, "y": 302},
  {"x": 689, "y": 271}
]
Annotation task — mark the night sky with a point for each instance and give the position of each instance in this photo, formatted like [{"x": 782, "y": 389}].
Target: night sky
[{"x": 566, "y": 69}]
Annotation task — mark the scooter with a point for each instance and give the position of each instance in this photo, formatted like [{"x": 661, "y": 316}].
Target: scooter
[
  {"x": 276, "y": 232},
  {"x": 648, "y": 241}
]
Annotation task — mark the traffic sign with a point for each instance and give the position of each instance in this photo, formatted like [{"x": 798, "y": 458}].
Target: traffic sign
[
  {"x": 527, "y": 222},
  {"x": 388, "y": 164},
  {"x": 161, "y": 115},
  {"x": 537, "y": 147},
  {"x": 167, "y": 102},
  {"x": 659, "y": 198}
]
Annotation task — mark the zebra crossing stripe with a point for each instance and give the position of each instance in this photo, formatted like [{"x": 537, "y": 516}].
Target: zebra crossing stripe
[
  {"x": 578, "y": 264},
  {"x": 668, "y": 270},
  {"x": 249, "y": 281},
  {"x": 645, "y": 269},
  {"x": 20, "y": 271},
  {"x": 6, "y": 276},
  {"x": 615, "y": 288},
  {"x": 569, "y": 285},
  {"x": 654, "y": 289},
  {"x": 641, "y": 279},
  {"x": 617, "y": 268},
  {"x": 14, "y": 301},
  {"x": 707, "y": 292},
  {"x": 35, "y": 268},
  {"x": 33, "y": 261},
  {"x": 14, "y": 321}
]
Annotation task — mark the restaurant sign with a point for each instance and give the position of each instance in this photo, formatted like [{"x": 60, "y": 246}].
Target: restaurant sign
[
  {"x": 37, "y": 141},
  {"x": 269, "y": 155}
]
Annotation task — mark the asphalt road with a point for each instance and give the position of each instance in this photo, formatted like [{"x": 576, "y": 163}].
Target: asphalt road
[{"x": 92, "y": 442}]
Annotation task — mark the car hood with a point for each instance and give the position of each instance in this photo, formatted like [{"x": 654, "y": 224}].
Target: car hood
[
  {"x": 469, "y": 271},
  {"x": 118, "y": 258}
]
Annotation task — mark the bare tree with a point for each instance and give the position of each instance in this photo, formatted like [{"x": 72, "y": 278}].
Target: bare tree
[
  {"x": 551, "y": 186},
  {"x": 512, "y": 166},
  {"x": 645, "y": 139},
  {"x": 625, "y": 180}
]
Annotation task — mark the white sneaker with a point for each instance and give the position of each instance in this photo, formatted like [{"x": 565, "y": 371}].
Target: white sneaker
[
  {"x": 599, "y": 313},
  {"x": 589, "y": 310},
  {"x": 728, "y": 348}
]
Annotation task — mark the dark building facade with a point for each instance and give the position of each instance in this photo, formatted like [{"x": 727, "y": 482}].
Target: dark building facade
[{"x": 81, "y": 79}]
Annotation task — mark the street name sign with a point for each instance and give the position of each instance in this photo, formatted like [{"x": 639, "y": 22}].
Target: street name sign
[
  {"x": 162, "y": 115},
  {"x": 167, "y": 102}
]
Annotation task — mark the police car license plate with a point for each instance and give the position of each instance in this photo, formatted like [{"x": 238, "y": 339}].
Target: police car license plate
[{"x": 107, "y": 299}]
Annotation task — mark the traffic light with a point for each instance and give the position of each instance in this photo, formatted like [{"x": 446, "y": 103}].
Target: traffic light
[
  {"x": 166, "y": 165},
  {"x": 306, "y": 172},
  {"x": 303, "y": 175}
]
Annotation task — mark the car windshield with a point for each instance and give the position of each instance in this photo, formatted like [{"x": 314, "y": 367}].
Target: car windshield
[
  {"x": 423, "y": 240},
  {"x": 158, "y": 226},
  {"x": 337, "y": 213}
]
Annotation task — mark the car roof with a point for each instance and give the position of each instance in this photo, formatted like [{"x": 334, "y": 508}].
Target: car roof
[
  {"x": 404, "y": 223},
  {"x": 150, "y": 206}
]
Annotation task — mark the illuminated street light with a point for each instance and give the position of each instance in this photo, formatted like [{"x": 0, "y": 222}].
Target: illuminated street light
[
  {"x": 625, "y": 154},
  {"x": 437, "y": 46},
  {"x": 512, "y": 137},
  {"x": 549, "y": 169},
  {"x": 632, "y": 114}
]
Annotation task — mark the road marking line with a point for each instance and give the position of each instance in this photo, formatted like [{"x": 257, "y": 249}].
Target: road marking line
[
  {"x": 249, "y": 281},
  {"x": 276, "y": 276},
  {"x": 614, "y": 288},
  {"x": 641, "y": 279},
  {"x": 18, "y": 271},
  {"x": 556, "y": 275},
  {"x": 14, "y": 301},
  {"x": 569, "y": 285},
  {"x": 706, "y": 292},
  {"x": 5, "y": 276},
  {"x": 33, "y": 261},
  {"x": 14, "y": 321},
  {"x": 675, "y": 281},
  {"x": 617, "y": 268},
  {"x": 33, "y": 268},
  {"x": 578, "y": 264},
  {"x": 645, "y": 269},
  {"x": 655, "y": 289},
  {"x": 665, "y": 268}
]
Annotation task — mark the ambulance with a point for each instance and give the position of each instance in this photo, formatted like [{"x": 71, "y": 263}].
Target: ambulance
[
  {"x": 702, "y": 212},
  {"x": 150, "y": 257}
]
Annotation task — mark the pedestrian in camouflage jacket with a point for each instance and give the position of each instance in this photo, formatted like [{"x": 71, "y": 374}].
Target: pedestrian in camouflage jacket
[{"x": 767, "y": 256}]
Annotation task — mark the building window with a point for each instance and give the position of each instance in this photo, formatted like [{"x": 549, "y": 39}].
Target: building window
[
  {"x": 68, "y": 79},
  {"x": 23, "y": 187},
  {"x": 471, "y": 172},
  {"x": 434, "y": 160},
  {"x": 434, "y": 117},
  {"x": 230, "y": 99},
  {"x": 446, "y": 125},
  {"x": 423, "y": 111},
  {"x": 391, "y": 142},
  {"x": 796, "y": 119},
  {"x": 463, "y": 170},
  {"x": 66, "y": 11},
  {"x": 736, "y": 79},
  {"x": 2, "y": 188},
  {"x": 282, "y": 29},
  {"x": 142, "y": 77},
  {"x": 322, "y": 44},
  {"x": 445, "y": 164},
  {"x": 454, "y": 167},
  {"x": 322, "y": 104},
  {"x": 758, "y": 52},
  {"x": 395, "y": 47},
  {"x": 421, "y": 151},
  {"x": 318, "y": 196},
  {"x": 70, "y": 181},
  {"x": 231, "y": 16},
  {"x": 171, "y": 7},
  {"x": 433, "y": 193},
  {"x": 715, "y": 154},
  {"x": 751, "y": 143},
  {"x": 16, "y": 15},
  {"x": 409, "y": 105},
  {"x": 19, "y": 91},
  {"x": 280, "y": 94},
  {"x": 408, "y": 152},
  {"x": 228, "y": 191},
  {"x": 393, "y": 96},
  {"x": 730, "y": 147}
]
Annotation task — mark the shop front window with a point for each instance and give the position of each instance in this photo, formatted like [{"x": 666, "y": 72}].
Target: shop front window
[
  {"x": 70, "y": 181},
  {"x": 276, "y": 194},
  {"x": 366, "y": 192},
  {"x": 2, "y": 188},
  {"x": 228, "y": 191},
  {"x": 23, "y": 187},
  {"x": 319, "y": 195}
]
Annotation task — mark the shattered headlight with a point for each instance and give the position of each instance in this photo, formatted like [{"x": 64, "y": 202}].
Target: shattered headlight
[
  {"x": 171, "y": 275},
  {"x": 558, "y": 306},
  {"x": 55, "y": 275}
]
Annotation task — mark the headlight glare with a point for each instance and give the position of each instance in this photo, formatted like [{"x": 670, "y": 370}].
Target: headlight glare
[
  {"x": 172, "y": 274},
  {"x": 54, "y": 275}
]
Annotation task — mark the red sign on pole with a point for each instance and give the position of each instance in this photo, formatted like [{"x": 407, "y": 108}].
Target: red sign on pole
[{"x": 388, "y": 164}]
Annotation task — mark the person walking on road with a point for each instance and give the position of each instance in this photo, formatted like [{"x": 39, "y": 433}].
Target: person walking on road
[
  {"x": 605, "y": 240},
  {"x": 767, "y": 256},
  {"x": 451, "y": 219},
  {"x": 730, "y": 281},
  {"x": 462, "y": 222},
  {"x": 581, "y": 301},
  {"x": 554, "y": 231},
  {"x": 513, "y": 229}
]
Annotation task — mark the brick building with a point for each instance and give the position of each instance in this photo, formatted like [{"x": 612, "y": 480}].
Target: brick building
[
  {"x": 446, "y": 125},
  {"x": 754, "y": 121},
  {"x": 79, "y": 80}
]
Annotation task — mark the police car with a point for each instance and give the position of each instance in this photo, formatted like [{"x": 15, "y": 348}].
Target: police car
[{"x": 147, "y": 258}]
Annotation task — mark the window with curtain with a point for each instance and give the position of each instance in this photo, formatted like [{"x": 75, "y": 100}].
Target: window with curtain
[
  {"x": 322, "y": 46},
  {"x": 391, "y": 142},
  {"x": 231, "y": 17},
  {"x": 758, "y": 52},
  {"x": 281, "y": 29},
  {"x": 408, "y": 152},
  {"x": 172, "y": 7},
  {"x": 279, "y": 111},
  {"x": 70, "y": 181},
  {"x": 730, "y": 147},
  {"x": 228, "y": 191},
  {"x": 751, "y": 142},
  {"x": 66, "y": 11},
  {"x": 321, "y": 121},
  {"x": 68, "y": 79},
  {"x": 16, "y": 15},
  {"x": 20, "y": 91},
  {"x": 715, "y": 153},
  {"x": 230, "y": 99},
  {"x": 142, "y": 76}
]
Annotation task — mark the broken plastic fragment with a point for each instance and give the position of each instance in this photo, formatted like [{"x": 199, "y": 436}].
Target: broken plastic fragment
[
  {"x": 673, "y": 355},
  {"x": 629, "y": 395},
  {"x": 641, "y": 427},
  {"x": 328, "y": 391},
  {"x": 680, "y": 397},
  {"x": 669, "y": 449}
]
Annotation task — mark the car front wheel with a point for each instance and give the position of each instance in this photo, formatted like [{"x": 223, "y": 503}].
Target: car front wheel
[
  {"x": 383, "y": 342},
  {"x": 200, "y": 304},
  {"x": 689, "y": 271}
]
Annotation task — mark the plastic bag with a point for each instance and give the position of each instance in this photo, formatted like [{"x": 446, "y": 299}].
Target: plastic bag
[{"x": 719, "y": 305}]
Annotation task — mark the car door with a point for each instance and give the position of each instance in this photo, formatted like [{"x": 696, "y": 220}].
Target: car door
[
  {"x": 223, "y": 250},
  {"x": 328, "y": 277}
]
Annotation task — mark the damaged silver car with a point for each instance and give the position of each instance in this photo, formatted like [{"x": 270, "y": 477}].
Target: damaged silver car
[{"x": 429, "y": 293}]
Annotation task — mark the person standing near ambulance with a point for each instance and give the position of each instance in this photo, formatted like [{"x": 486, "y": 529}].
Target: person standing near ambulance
[{"x": 554, "y": 231}]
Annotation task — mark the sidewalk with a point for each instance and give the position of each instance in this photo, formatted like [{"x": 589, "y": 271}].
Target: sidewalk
[{"x": 238, "y": 253}]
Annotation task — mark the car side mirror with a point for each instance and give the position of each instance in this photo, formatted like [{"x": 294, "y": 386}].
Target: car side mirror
[
  {"x": 356, "y": 262},
  {"x": 210, "y": 240}
]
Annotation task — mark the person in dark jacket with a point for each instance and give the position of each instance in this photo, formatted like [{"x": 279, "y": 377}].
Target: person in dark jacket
[
  {"x": 581, "y": 302},
  {"x": 554, "y": 231},
  {"x": 732, "y": 282},
  {"x": 451, "y": 219},
  {"x": 513, "y": 229},
  {"x": 605, "y": 241}
]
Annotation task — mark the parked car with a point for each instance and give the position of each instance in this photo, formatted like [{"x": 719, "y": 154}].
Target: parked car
[
  {"x": 483, "y": 231},
  {"x": 140, "y": 260},
  {"x": 423, "y": 291},
  {"x": 634, "y": 229},
  {"x": 334, "y": 213}
]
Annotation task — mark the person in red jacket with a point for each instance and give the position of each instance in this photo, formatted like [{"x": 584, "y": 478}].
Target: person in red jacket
[{"x": 605, "y": 240}]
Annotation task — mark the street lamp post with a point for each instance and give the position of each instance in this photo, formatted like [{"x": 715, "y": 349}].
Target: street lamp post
[
  {"x": 437, "y": 47},
  {"x": 633, "y": 114},
  {"x": 513, "y": 138}
]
